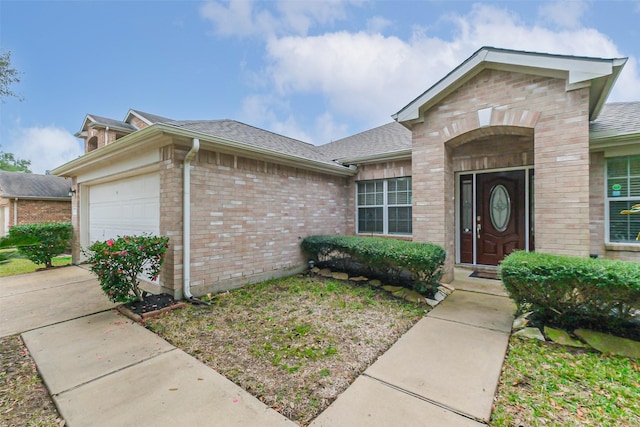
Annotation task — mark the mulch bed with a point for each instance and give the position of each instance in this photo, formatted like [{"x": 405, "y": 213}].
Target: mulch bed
[{"x": 151, "y": 305}]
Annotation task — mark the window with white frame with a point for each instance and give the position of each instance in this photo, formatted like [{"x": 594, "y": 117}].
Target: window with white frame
[
  {"x": 623, "y": 191},
  {"x": 384, "y": 206}
]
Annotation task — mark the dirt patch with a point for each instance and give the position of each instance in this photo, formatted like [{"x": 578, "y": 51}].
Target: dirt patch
[
  {"x": 23, "y": 397},
  {"x": 294, "y": 343}
]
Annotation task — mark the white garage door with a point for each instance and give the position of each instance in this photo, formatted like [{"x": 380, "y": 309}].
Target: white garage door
[{"x": 125, "y": 207}]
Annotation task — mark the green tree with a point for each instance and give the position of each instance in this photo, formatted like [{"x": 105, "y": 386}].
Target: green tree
[
  {"x": 52, "y": 239},
  {"x": 9, "y": 162},
  {"x": 8, "y": 76}
]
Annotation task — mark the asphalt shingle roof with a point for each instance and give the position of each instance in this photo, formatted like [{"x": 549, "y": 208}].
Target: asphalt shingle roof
[
  {"x": 111, "y": 122},
  {"x": 383, "y": 139},
  {"x": 17, "y": 184},
  {"x": 152, "y": 117},
  {"x": 260, "y": 138},
  {"x": 618, "y": 117}
]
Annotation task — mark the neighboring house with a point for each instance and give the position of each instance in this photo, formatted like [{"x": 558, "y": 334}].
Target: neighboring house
[
  {"x": 510, "y": 150},
  {"x": 27, "y": 198}
]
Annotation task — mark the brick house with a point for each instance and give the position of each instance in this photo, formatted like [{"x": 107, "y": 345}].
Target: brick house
[
  {"x": 510, "y": 150},
  {"x": 27, "y": 198}
]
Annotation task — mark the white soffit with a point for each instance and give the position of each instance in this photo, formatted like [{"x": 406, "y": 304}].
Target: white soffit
[{"x": 578, "y": 71}]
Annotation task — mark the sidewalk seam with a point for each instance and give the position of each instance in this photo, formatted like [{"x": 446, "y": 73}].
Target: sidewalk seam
[
  {"x": 44, "y": 289},
  {"x": 63, "y": 321},
  {"x": 426, "y": 399},
  {"x": 113, "y": 372},
  {"x": 428, "y": 315}
]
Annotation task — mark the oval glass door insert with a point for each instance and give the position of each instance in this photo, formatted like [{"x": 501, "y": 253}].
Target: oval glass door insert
[{"x": 500, "y": 207}]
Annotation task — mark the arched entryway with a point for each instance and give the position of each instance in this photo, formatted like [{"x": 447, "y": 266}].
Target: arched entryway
[{"x": 494, "y": 202}]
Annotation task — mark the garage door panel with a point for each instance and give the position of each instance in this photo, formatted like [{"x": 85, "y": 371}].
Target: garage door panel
[{"x": 124, "y": 207}]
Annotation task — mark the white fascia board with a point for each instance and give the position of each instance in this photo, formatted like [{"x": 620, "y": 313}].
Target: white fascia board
[
  {"x": 617, "y": 66},
  {"x": 412, "y": 110},
  {"x": 85, "y": 122},
  {"x": 377, "y": 158},
  {"x": 146, "y": 137},
  {"x": 134, "y": 141},
  {"x": 133, "y": 113},
  {"x": 578, "y": 71},
  {"x": 112, "y": 127},
  {"x": 609, "y": 138}
]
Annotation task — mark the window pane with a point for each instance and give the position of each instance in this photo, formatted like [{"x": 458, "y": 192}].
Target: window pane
[
  {"x": 370, "y": 220},
  {"x": 617, "y": 167},
  {"x": 370, "y": 193},
  {"x": 634, "y": 176},
  {"x": 623, "y": 228},
  {"x": 399, "y": 191},
  {"x": 634, "y": 186},
  {"x": 467, "y": 206},
  {"x": 634, "y": 166},
  {"x": 400, "y": 220},
  {"x": 617, "y": 187}
]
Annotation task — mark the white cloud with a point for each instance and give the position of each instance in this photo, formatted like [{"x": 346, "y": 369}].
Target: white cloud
[
  {"x": 564, "y": 14},
  {"x": 245, "y": 18},
  {"x": 46, "y": 147},
  {"x": 368, "y": 76},
  {"x": 237, "y": 18},
  {"x": 377, "y": 24}
]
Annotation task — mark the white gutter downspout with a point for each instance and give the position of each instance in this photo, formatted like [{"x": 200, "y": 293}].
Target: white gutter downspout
[
  {"x": 15, "y": 211},
  {"x": 186, "y": 220}
]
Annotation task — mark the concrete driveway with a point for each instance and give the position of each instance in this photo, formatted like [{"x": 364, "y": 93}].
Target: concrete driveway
[{"x": 34, "y": 300}]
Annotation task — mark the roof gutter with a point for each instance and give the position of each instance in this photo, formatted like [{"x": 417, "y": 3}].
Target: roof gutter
[
  {"x": 186, "y": 220},
  {"x": 377, "y": 158},
  {"x": 129, "y": 142},
  {"x": 48, "y": 199},
  {"x": 288, "y": 159}
]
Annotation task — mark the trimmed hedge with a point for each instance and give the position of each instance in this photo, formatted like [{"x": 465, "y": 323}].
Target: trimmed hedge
[
  {"x": 52, "y": 239},
  {"x": 423, "y": 261},
  {"x": 571, "y": 291}
]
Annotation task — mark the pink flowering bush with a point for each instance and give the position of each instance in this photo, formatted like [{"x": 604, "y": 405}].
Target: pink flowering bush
[{"x": 119, "y": 263}]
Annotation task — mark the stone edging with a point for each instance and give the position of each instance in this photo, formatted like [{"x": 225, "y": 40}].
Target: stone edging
[{"x": 141, "y": 318}]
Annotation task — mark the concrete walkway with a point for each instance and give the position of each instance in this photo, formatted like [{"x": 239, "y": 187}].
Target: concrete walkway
[
  {"x": 105, "y": 370},
  {"x": 33, "y": 300},
  {"x": 443, "y": 372}
]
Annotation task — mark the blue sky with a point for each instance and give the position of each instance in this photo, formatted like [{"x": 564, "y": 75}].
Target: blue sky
[{"x": 312, "y": 70}]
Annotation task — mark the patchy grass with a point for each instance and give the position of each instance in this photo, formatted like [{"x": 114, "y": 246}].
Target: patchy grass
[
  {"x": 22, "y": 265},
  {"x": 548, "y": 384},
  {"x": 294, "y": 343},
  {"x": 23, "y": 398}
]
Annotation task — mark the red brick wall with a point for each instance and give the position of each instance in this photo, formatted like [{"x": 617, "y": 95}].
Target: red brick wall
[
  {"x": 36, "y": 211},
  {"x": 138, "y": 123},
  {"x": 248, "y": 218}
]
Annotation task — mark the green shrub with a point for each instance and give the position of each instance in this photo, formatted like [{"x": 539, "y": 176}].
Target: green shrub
[
  {"x": 52, "y": 239},
  {"x": 571, "y": 291},
  {"x": 119, "y": 262},
  {"x": 391, "y": 257}
]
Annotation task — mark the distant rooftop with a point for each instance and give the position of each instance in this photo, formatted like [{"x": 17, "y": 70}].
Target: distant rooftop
[{"x": 33, "y": 186}]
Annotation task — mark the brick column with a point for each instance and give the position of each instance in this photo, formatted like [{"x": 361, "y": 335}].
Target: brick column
[
  {"x": 432, "y": 188},
  {"x": 561, "y": 153}
]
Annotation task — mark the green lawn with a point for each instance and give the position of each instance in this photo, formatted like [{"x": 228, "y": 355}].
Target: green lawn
[
  {"x": 22, "y": 265},
  {"x": 546, "y": 384}
]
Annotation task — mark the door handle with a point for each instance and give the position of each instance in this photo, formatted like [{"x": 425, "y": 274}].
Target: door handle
[{"x": 478, "y": 228}]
